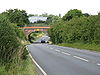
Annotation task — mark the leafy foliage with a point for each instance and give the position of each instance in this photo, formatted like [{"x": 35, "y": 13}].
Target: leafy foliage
[
  {"x": 72, "y": 13},
  {"x": 17, "y": 16},
  {"x": 52, "y": 19},
  {"x": 85, "y": 29},
  {"x": 11, "y": 48}
]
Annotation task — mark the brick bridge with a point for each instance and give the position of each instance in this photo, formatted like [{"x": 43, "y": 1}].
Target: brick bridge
[{"x": 28, "y": 30}]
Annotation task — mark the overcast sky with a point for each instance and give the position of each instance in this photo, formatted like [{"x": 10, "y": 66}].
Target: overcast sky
[{"x": 51, "y": 6}]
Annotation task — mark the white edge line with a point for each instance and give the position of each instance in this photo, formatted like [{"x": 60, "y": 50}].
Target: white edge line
[
  {"x": 44, "y": 73},
  {"x": 81, "y": 58}
]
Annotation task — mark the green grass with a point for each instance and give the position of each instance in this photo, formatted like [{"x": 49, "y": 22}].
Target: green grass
[
  {"x": 37, "y": 35},
  {"x": 25, "y": 67},
  {"x": 92, "y": 47}
]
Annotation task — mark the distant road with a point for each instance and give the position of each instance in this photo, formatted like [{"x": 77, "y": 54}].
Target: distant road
[
  {"x": 46, "y": 38},
  {"x": 57, "y": 60}
]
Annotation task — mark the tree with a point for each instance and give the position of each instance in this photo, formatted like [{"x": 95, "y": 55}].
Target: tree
[
  {"x": 40, "y": 21},
  {"x": 31, "y": 15},
  {"x": 86, "y": 14},
  {"x": 52, "y": 19},
  {"x": 44, "y": 15},
  {"x": 11, "y": 48},
  {"x": 72, "y": 13},
  {"x": 17, "y": 16},
  {"x": 78, "y": 29}
]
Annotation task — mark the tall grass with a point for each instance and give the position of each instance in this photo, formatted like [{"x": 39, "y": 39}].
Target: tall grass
[{"x": 25, "y": 67}]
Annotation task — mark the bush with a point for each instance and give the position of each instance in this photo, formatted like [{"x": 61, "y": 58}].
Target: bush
[
  {"x": 24, "y": 54},
  {"x": 96, "y": 41},
  {"x": 9, "y": 43},
  {"x": 11, "y": 48},
  {"x": 78, "y": 29}
]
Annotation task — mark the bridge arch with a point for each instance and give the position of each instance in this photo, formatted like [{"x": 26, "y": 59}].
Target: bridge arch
[{"x": 29, "y": 30}]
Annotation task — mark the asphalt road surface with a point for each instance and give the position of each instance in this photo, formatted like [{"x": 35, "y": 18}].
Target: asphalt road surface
[
  {"x": 45, "y": 38},
  {"x": 57, "y": 60}
]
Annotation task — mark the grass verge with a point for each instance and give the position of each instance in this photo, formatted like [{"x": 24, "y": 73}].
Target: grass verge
[
  {"x": 92, "y": 47},
  {"x": 26, "y": 67}
]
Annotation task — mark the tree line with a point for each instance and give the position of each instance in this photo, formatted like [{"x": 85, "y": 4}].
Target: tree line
[
  {"x": 12, "y": 49},
  {"x": 76, "y": 26}
]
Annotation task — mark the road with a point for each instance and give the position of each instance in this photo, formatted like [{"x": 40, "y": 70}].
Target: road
[
  {"x": 45, "y": 37},
  {"x": 58, "y": 60}
]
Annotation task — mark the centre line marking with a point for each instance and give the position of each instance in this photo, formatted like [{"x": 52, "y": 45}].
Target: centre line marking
[
  {"x": 65, "y": 53},
  {"x": 81, "y": 58},
  {"x": 51, "y": 48},
  {"x": 98, "y": 64},
  {"x": 57, "y": 50}
]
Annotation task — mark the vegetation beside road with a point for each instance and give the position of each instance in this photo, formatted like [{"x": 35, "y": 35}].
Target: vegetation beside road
[
  {"x": 25, "y": 67},
  {"x": 77, "y": 29},
  {"x": 13, "y": 54}
]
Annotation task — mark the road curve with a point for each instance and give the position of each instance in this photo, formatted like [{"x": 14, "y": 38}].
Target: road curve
[{"x": 58, "y": 60}]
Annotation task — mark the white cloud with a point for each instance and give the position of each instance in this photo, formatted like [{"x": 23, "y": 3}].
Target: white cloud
[{"x": 51, "y": 6}]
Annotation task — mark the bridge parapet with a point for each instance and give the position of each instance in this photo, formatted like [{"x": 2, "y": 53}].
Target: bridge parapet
[{"x": 28, "y": 30}]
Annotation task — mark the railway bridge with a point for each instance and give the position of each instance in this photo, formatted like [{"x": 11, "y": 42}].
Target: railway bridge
[{"x": 28, "y": 30}]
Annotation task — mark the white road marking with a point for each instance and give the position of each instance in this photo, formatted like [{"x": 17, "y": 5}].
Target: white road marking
[
  {"x": 51, "y": 48},
  {"x": 98, "y": 64},
  {"x": 47, "y": 47},
  {"x": 65, "y": 53},
  {"x": 44, "y": 73},
  {"x": 57, "y": 50},
  {"x": 81, "y": 58}
]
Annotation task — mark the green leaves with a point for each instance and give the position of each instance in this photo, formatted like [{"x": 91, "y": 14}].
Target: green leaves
[
  {"x": 78, "y": 29},
  {"x": 72, "y": 13},
  {"x": 11, "y": 48},
  {"x": 52, "y": 19},
  {"x": 17, "y": 16},
  {"x": 8, "y": 40}
]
